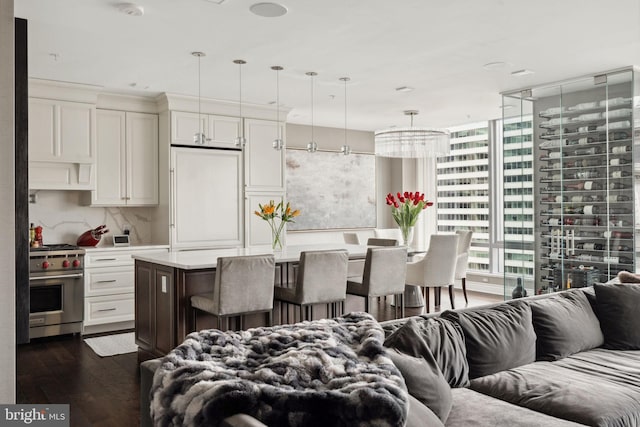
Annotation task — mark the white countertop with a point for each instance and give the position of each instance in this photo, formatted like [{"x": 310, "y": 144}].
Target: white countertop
[
  {"x": 207, "y": 258},
  {"x": 109, "y": 248}
]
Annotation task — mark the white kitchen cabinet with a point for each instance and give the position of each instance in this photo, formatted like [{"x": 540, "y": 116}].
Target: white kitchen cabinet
[
  {"x": 127, "y": 160},
  {"x": 220, "y": 131},
  {"x": 264, "y": 166},
  {"x": 206, "y": 198},
  {"x": 62, "y": 144},
  {"x": 109, "y": 288}
]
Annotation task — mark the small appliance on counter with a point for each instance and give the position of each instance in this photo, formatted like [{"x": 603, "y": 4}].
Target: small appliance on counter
[{"x": 92, "y": 237}]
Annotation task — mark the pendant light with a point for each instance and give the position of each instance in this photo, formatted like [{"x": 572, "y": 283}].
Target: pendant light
[
  {"x": 199, "y": 138},
  {"x": 240, "y": 140},
  {"x": 345, "y": 149},
  {"x": 312, "y": 146},
  {"x": 278, "y": 143}
]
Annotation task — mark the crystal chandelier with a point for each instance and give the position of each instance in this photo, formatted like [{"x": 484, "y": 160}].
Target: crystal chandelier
[{"x": 412, "y": 141}]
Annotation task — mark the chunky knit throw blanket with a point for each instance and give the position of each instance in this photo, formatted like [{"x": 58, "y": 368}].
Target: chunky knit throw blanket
[{"x": 330, "y": 372}]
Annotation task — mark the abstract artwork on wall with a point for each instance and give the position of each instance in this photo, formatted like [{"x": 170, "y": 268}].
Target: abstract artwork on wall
[{"x": 332, "y": 190}]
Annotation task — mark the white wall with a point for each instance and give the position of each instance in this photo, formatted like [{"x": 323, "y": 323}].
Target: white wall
[
  {"x": 63, "y": 218},
  {"x": 7, "y": 206}
]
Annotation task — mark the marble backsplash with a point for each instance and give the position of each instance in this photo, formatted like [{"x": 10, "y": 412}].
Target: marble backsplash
[{"x": 63, "y": 217}]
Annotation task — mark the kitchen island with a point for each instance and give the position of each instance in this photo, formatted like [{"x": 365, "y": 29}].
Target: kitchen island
[{"x": 165, "y": 282}]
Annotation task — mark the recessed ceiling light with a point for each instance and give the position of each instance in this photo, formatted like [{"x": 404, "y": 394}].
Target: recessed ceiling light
[
  {"x": 498, "y": 65},
  {"x": 131, "y": 9},
  {"x": 522, "y": 72},
  {"x": 404, "y": 89},
  {"x": 268, "y": 10}
]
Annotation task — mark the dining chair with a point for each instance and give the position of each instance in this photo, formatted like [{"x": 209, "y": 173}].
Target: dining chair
[
  {"x": 242, "y": 285},
  {"x": 385, "y": 270},
  {"x": 462, "y": 261},
  {"x": 351, "y": 238},
  {"x": 321, "y": 279},
  {"x": 375, "y": 241},
  {"x": 436, "y": 269}
]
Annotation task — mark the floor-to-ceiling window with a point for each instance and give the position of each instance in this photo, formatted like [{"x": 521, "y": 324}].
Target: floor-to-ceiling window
[{"x": 479, "y": 182}]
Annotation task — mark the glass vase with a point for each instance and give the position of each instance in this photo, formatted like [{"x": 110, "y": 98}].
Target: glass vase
[
  {"x": 407, "y": 235},
  {"x": 276, "y": 239}
]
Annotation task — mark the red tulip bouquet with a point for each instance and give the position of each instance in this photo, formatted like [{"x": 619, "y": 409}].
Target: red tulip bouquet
[{"x": 405, "y": 210}]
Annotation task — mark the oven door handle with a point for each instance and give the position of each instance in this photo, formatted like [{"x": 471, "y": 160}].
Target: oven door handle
[{"x": 62, "y": 276}]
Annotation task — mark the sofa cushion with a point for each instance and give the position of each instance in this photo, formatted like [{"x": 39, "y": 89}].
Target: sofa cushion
[
  {"x": 619, "y": 315},
  {"x": 564, "y": 324},
  {"x": 496, "y": 338},
  {"x": 421, "y": 416},
  {"x": 471, "y": 408},
  {"x": 598, "y": 387},
  {"x": 424, "y": 381},
  {"x": 438, "y": 338}
]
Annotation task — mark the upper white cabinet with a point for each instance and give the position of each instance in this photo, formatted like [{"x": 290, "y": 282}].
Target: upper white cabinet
[
  {"x": 219, "y": 131},
  {"x": 62, "y": 144},
  {"x": 264, "y": 166},
  {"x": 127, "y": 160}
]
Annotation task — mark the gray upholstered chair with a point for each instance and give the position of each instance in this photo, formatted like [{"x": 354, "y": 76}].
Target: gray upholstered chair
[
  {"x": 377, "y": 241},
  {"x": 462, "y": 261},
  {"x": 351, "y": 238},
  {"x": 385, "y": 269},
  {"x": 436, "y": 269},
  {"x": 321, "y": 279},
  {"x": 242, "y": 285}
]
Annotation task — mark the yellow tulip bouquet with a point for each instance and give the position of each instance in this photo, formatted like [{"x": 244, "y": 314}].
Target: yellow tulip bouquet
[{"x": 272, "y": 213}]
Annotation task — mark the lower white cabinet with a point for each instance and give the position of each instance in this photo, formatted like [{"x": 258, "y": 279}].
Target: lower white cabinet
[{"x": 109, "y": 288}]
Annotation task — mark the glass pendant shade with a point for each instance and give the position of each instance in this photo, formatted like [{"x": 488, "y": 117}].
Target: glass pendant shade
[{"x": 412, "y": 142}]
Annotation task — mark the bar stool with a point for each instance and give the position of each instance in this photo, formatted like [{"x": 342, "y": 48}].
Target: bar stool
[
  {"x": 321, "y": 279},
  {"x": 242, "y": 285},
  {"x": 377, "y": 241}
]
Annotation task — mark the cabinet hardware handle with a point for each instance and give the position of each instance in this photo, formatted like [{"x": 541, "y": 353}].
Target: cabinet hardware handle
[
  {"x": 106, "y": 281},
  {"x": 65, "y": 276},
  {"x": 172, "y": 190},
  {"x": 107, "y": 309},
  {"x": 106, "y": 259}
]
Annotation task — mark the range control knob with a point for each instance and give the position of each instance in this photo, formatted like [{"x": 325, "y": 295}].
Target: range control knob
[
  {"x": 76, "y": 263},
  {"x": 66, "y": 263},
  {"x": 45, "y": 264}
]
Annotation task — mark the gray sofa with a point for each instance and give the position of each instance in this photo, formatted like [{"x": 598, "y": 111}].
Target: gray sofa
[{"x": 565, "y": 359}]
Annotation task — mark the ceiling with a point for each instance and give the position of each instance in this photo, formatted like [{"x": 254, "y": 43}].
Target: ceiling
[{"x": 437, "y": 48}]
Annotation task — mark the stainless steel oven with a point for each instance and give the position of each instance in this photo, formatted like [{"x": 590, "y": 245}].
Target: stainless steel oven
[{"x": 56, "y": 290}]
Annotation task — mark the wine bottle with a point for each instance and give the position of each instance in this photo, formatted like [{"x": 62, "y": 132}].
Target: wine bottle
[
  {"x": 585, "y": 174},
  {"x": 581, "y": 199},
  {"x": 619, "y": 162},
  {"x": 620, "y": 149},
  {"x": 625, "y": 260},
  {"x": 589, "y": 128},
  {"x": 588, "y": 162},
  {"x": 620, "y": 174},
  {"x": 622, "y": 248},
  {"x": 617, "y": 198},
  {"x": 587, "y": 151},
  {"x": 585, "y": 140},
  {"x": 552, "y": 222},
  {"x": 618, "y": 186},
  {"x": 588, "y": 257},
  {"x": 590, "y": 246},
  {"x": 586, "y": 185},
  {"x": 589, "y": 210},
  {"x": 618, "y": 234}
]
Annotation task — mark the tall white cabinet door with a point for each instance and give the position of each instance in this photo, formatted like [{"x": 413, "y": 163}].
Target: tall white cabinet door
[
  {"x": 142, "y": 159},
  {"x": 111, "y": 177},
  {"x": 44, "y": 142},
  {"x": 264, "y": 166},
  {"x": 207, "y": 207}
]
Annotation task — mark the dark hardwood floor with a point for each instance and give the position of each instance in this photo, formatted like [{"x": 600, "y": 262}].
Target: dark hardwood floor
[{"x": 104, "y": 391}]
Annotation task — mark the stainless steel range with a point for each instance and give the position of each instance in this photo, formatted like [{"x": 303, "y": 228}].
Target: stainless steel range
[{"x": 56, "y": 289}]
